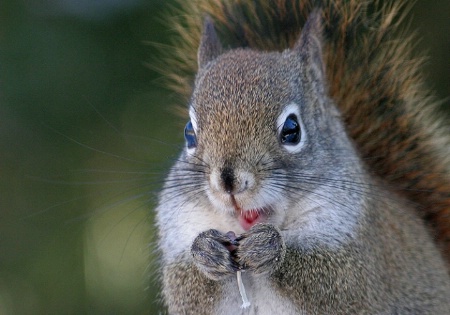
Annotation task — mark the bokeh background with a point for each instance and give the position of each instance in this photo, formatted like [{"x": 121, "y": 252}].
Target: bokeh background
[{"x": 87, "y": 132}]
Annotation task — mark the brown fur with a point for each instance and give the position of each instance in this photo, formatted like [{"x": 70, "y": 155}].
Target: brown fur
[
  {"x": 372, "y": 77},
  {"x": 176, "y": 277}
]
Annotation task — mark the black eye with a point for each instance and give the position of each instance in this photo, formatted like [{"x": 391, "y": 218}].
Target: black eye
[
  {"x": 189, "y": 135},
  {"x": 290, "y": 134}
]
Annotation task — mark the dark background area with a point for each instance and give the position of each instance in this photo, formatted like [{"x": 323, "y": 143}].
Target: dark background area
[{"x": 87, "y": 132}]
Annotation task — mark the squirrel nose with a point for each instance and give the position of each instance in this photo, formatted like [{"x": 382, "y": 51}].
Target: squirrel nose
[
  {"x": 231, "y": 181},
  {"x": 228, "y": 179}
]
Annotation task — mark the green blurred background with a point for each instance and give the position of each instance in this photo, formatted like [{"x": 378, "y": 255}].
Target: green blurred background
[{"x": 87, "y": 132}]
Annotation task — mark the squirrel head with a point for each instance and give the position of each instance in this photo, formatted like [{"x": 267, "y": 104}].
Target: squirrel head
[{"x": 259, "y": 121}]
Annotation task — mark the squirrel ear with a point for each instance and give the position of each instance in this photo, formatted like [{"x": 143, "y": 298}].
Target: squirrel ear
[
  {"x": 309, "y": 45},
  {"x": 210, "y": 46}
]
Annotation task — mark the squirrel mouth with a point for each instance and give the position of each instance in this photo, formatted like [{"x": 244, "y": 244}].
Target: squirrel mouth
[{"x": 251, "y": 217}]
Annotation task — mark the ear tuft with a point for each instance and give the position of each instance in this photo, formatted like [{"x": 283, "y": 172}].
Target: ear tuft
[
  {"x": 309, "y": 45},
  {"x": 210, "y": 46}
]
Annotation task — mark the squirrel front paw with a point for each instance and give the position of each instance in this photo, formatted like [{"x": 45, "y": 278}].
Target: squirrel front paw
[
  {"x": 261, "y": 249},
  {"x": 212, "y": 252}
]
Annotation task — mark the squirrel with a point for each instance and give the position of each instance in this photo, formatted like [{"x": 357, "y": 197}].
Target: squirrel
[{"x": 314, "y": 164}]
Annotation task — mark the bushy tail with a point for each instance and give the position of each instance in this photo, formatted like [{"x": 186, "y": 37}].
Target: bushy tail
[{"x": 372, "y": 76}]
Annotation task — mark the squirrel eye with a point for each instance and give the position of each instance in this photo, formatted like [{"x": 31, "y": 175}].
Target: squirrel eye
[
  {"x": 290, "y": 134},
  {"x": 189, "y": 135}
]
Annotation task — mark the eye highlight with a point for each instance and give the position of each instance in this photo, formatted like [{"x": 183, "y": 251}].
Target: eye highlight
[
  {"x": 189, "y": 136},
  {"x": 291, "y": 132}
]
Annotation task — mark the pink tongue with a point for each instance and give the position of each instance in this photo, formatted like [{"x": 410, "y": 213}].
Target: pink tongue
[{"x": 249, "y": 219}]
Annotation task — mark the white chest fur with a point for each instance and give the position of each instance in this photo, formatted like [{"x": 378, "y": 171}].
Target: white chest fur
[{"x": 263, "y": 297}]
